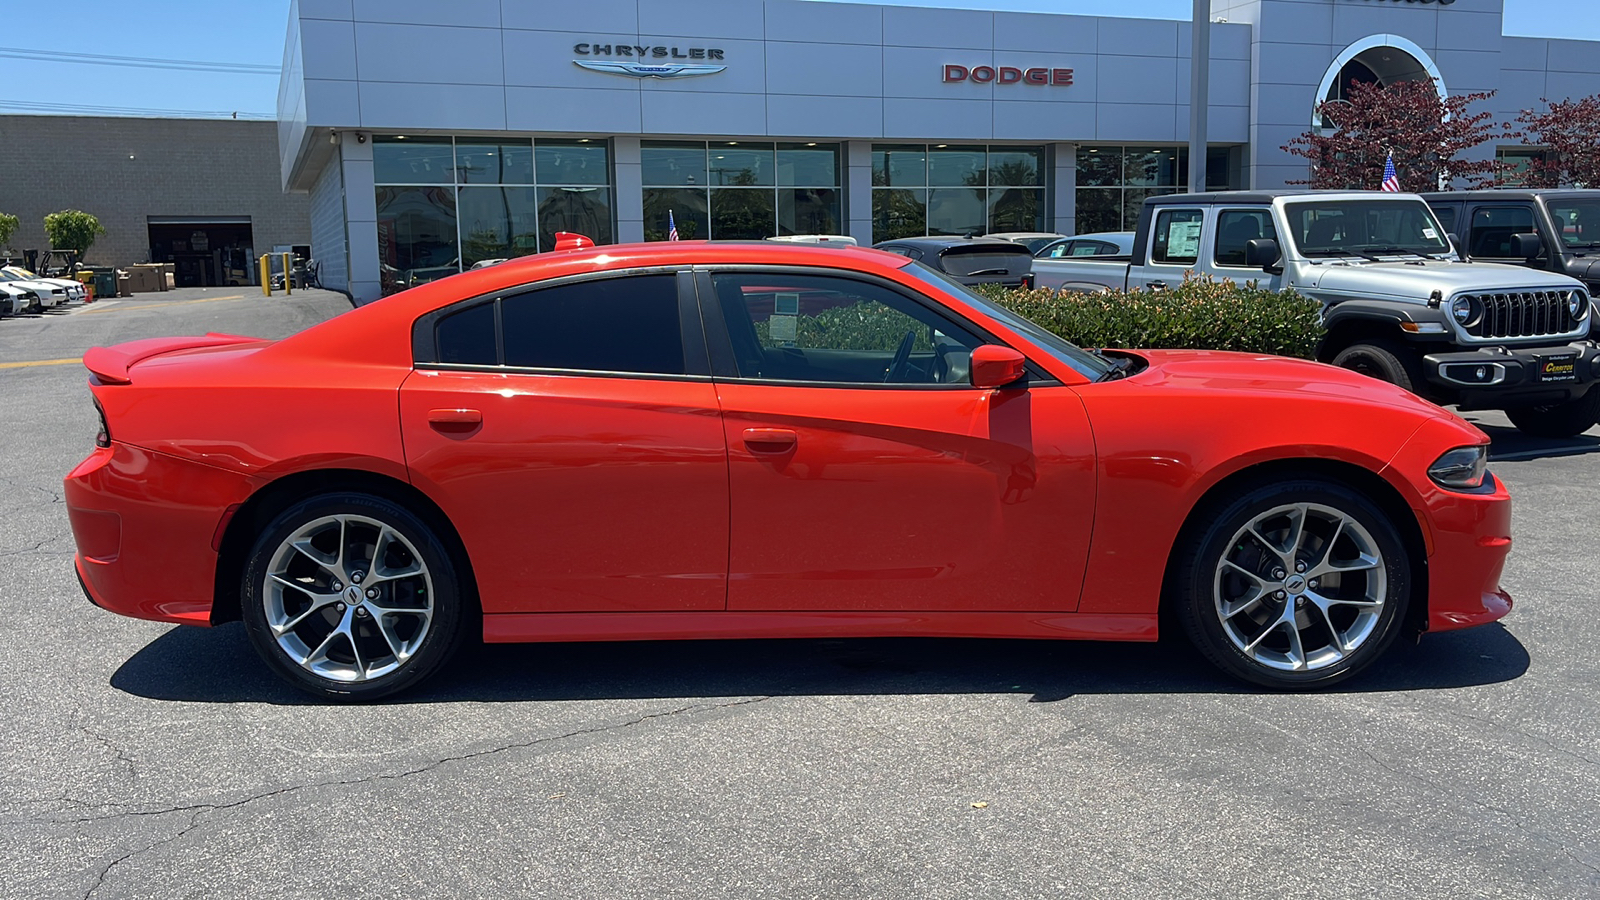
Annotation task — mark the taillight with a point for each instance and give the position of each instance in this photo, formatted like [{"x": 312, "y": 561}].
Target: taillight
[
  {"x": 1027, "y": 281},
  {"x": 103, "y": 437}
]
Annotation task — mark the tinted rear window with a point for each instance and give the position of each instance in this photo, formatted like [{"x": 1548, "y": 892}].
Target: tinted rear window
[
  {"x": 468, "y": 337},
  {"x": 611, "y": 325},
  {"x": 965, "y": 263}
]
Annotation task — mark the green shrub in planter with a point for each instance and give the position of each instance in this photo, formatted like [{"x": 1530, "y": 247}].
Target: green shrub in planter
[{"x": 1202, "y": 313}]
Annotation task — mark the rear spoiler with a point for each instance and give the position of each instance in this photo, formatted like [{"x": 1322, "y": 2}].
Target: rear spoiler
[{"x": 111, "y": 364}]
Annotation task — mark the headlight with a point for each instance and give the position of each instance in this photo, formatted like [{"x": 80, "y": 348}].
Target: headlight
[
  {"x": 1577, "y": 304},
  {"x": 1462, "y": 468},
  {"x": 1461, "y": 309}
]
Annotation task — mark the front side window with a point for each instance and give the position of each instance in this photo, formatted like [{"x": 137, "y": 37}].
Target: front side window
[
  {"x": 1578, "y": 223},
  {"x": 1176, "y": 238},
  {"x": 1494, "y": 227},
  {"x": 827, "y": 329},
  {"x": 1236, "y": 228}
]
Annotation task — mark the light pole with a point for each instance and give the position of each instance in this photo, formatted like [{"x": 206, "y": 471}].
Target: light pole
[{"x": 1199, "y": 93}]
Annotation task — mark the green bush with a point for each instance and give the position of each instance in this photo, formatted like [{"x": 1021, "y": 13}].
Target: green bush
[{"x": 1202, "y": 313}]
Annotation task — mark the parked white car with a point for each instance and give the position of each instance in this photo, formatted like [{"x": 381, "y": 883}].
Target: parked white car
[
  {"x": 14, "y": 300},
  {"x": 71, "y": 290},
  {"x": 49, "y": 294}
]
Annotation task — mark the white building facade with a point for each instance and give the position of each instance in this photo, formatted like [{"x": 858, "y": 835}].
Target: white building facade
[{"x": 431, "y": 136}]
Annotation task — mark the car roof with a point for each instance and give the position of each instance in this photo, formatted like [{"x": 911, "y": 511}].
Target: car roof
[
  {"x": 1222, "y": 198},
  {"x": 1510, "y": 194}
]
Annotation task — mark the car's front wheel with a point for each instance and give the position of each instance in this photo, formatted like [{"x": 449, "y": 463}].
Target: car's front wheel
[
  {"x": 351, "y": 596},
  {"x": 1293, "y": 585}
]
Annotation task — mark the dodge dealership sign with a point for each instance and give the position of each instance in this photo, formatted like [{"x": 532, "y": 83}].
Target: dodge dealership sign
[{"x": 1008, "y": 75}]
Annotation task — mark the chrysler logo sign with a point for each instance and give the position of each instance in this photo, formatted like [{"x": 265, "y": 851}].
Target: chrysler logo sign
[
  {"x": 662, "y": 69},
  {"x": 646, "y": 70}
]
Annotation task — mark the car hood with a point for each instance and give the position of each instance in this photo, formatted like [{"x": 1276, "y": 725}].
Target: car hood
[
  {"x": 59, "y": 282},
  {"x": 35, "y": 286},
  {"x": 1416, "y": 280},
  {"x": 1277, "y": 377}
]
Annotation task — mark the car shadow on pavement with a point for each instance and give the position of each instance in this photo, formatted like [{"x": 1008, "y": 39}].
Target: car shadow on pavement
[{"x": 218, "y": 666}]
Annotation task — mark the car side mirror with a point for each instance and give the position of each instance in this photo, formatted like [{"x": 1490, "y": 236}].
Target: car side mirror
[
  {"x": 1526, "y": 246},
  {"x": 996, "y": 366},
  {"x": 1262, "y": 253},
  {"x": 1455, "y": 242}
]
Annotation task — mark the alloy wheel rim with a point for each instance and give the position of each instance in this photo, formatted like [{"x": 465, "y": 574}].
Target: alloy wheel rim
[
  {"x": 348, "y": 598},
  {"x": 1301, "y": 587}
]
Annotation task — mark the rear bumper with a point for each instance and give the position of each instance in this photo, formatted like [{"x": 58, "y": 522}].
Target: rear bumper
[
  {"x": 144, "y": 524},
  {"x": 1503, "y": 377}
]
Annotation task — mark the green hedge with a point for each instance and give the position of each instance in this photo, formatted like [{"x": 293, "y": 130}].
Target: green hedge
[{"x": 1202, "y": 313}]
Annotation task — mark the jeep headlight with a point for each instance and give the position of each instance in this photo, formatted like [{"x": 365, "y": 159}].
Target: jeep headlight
[
  {"x": 1463, "y": 309},
  {"x": 1577, "y": 304},
  {"x": 1461, "y": 469}
]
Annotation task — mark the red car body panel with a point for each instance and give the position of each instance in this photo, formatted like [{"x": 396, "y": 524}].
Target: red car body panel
[{"x": 635, "y": 507}]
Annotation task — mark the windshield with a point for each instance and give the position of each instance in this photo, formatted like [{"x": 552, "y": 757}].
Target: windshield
[
  {"x": 1081, "y": 361},
  {"x": 18, "y": 271},
  {"x": 1365, "y": 228},
  {"x": 1577, "y": 221}
]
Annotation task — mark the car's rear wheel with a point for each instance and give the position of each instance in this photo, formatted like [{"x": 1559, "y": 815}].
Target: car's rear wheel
[
  {"x": 1294, "y": 585},
  {"x": 1559, "y": 420},
  {"x": 351, "y": 596}
]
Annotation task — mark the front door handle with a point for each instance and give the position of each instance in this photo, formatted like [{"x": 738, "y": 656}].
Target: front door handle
[
  {"x": 454, "y": 420},
  {"x": 770, "y": 440},
  {"x": 1158, "y": 285}
]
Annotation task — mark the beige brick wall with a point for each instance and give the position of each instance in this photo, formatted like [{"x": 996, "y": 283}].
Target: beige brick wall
[{"x": 124, "y": 170}]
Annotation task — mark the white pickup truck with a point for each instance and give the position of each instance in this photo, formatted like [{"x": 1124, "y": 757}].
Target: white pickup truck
[{"x": 1398, "y": 302}]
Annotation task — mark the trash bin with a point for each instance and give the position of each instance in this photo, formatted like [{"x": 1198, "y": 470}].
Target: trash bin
[{"x": 104, "y": 280}]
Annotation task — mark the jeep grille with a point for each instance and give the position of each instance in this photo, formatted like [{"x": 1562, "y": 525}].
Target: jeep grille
[{"x": 1519, "y": 314}]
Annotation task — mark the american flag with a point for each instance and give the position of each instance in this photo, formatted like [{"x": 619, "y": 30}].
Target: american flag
[
  {"x": 1391, "y": 181},
  {"x": 672, "y": 225}
]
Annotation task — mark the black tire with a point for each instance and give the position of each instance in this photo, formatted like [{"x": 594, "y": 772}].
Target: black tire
[
  {"x": 1383, "y": 360},
  {"x": 1203, "y": 585},
  {"x": 1559, "y": 420},
  {"x": 423, "y": 610}
]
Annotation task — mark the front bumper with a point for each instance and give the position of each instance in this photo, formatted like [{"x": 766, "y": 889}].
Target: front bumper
[
  {"x": 1467, "y": 536},
  {"x": 1502, "y": 377},
  {"x": 144, "y": 524}
]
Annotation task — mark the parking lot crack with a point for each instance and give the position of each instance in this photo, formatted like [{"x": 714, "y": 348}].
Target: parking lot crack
[
  {"x": 122, "y": 755},
  {"x": 100, "y": 878},
  {"x": 199, "y": 808}
]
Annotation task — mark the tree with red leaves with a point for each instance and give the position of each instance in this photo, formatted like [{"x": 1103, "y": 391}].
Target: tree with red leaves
[
  {"x": 1426, "y": 134},
  {"x": 1568, "y": 130}
]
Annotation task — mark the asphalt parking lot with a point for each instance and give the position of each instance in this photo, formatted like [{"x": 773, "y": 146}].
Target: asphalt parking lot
[{"x": 146, "y": 760}]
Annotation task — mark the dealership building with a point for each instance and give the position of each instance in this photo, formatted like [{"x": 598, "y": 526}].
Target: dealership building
[{"x": 431, "y": 136}]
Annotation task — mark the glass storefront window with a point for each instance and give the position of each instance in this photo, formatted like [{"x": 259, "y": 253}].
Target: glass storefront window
[
  {"x": 572, "y": 162},
  {"x": 752, "y": 190},
  {"x": 496, "y": 223},
  {"x": 808, "y": 165},
  {"x": 580, "y": 209},
  {"x": 950, "y": 166},
  {"x": 1113, "y": 182},
  {"x": 400, "y": 160},
  {"x": 664, "y": 164},
  {"x": 972, "y": 189},
  {"x": 898, "y": 213},
  {"x": 416, "y": 235},
  {"x": 444, "y": 204},
  {"x": 808, "y": 211},
  {"x": 899, "y": 166},
  {"x": 1099, "y": 166},
  {"x": 1099, "y": 209},
  {"x": 688, "y": 209},
  {"x": 742, "y": 214},
  {"x": 493, "y": 162},
  {"x": 740, "y": 163}
]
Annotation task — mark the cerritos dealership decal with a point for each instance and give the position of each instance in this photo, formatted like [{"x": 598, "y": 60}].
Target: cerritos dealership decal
[
  {"x": 647, "y": 69},
  {"x": 1008, "y": 75}
]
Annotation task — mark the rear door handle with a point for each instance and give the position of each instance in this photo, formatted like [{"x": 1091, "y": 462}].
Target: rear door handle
[
  {"x": 770, "y": 440},
  {"x": 454, "y": 420}
]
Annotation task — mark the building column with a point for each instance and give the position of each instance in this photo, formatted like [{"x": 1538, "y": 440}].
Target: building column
[
  {"x": 360, "y": 217},
  {"x": 858, "y": 191},
  {"x": 628, "y": 200},
  {"x": 1064, "y": 206}
]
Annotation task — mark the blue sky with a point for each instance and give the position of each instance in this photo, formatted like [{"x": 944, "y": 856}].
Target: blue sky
[{"x": 252, "y": 33}]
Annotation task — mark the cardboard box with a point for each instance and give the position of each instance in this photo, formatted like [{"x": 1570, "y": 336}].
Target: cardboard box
[{"x": 143, "y": 280}]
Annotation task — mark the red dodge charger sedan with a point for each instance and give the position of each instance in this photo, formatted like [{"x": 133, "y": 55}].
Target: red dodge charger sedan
[{"x": 709, "y": 440}]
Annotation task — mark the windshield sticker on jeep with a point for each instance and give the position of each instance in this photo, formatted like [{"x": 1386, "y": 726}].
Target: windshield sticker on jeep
[{"x": 1430, "y": 234}]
